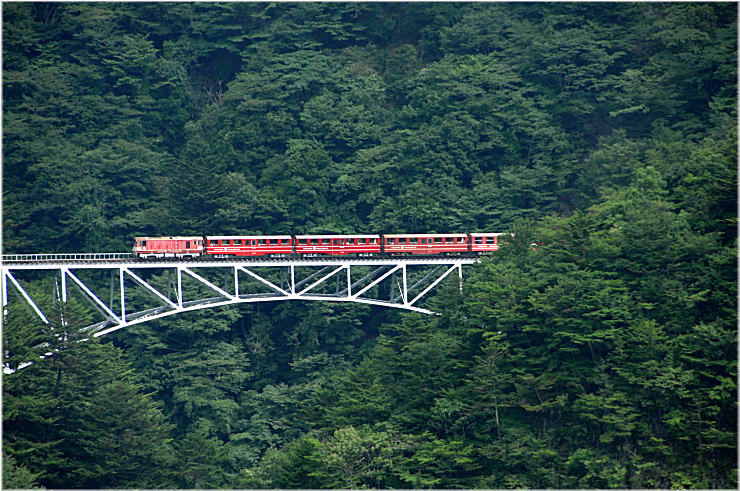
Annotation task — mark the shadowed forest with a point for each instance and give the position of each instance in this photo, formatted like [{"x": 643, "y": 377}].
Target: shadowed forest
[{"x": 606, "y": 357}]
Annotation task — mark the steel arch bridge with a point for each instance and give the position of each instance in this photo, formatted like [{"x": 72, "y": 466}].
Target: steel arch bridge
[{"x": 178, "y": 286}]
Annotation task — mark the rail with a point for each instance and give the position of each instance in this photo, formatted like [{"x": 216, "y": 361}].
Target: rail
[{"x": 100, "y": 256}]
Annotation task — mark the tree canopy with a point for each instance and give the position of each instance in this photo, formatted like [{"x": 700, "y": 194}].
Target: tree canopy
[{"x": 605, "y": 133}]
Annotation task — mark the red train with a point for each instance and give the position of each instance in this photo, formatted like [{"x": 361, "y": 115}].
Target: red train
[{"x": 314, "y": 245}]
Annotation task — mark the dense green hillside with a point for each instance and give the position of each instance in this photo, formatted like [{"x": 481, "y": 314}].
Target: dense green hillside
[{"x": 604, "y": 358}]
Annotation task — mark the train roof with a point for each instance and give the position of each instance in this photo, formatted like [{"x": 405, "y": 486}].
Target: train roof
[
  {"x": 247, "y": 237},
  {"x": 332, "y": 236},
  {"x": 486, "y": 234},
  {"x": 172, "y": 237},
  {"x": 396, "y": 236}
]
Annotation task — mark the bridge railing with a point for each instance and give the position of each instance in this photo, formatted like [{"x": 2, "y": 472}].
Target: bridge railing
[{"x": 101, "y": 256}]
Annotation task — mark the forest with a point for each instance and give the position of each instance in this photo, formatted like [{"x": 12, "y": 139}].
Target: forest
[{"x": 606, "y": 133}]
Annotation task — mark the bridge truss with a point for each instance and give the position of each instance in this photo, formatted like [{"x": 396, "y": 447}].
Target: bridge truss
[{"x": 125, "y": 291}]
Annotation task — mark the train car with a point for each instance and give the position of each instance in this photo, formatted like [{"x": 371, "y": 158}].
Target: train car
[
  {"x": 337, "y": 245},
  {"x": 425, "y": 243},
  {"x": 315, "y": 245},
  {"x": 161, "y": 247},
  {"x": 483, "y": 243},
  {"x": 249, "y": 245}
]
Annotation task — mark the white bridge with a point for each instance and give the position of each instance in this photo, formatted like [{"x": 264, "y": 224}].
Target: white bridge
[{"x": 137, "y": 291}]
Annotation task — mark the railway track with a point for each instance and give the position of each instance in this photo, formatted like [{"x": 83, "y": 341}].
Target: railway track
[{"x": 128, "y": 259}]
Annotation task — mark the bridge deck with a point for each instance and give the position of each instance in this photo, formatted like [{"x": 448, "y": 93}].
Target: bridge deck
[{"x": 53, "y": 261}]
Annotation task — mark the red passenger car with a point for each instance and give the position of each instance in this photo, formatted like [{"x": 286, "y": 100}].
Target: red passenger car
[
  {"x": 425, "y": 243},
  {"x": 484, "y": 242},
  {"x": 158, "y": 247},
  {"x": 249, "y": 245},
  {"x": 337, "y": 245}
]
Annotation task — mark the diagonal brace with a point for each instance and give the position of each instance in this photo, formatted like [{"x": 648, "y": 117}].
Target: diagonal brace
[
  {"x": 208, "y": 284},
  {"x": 359, "y": 282},
  {"x": 91, "y": 295},
  {"x": 25, "y": 295},
  {"x": 310, "y": 277},
  {"x": 386, "y": 275},
  {"x": 149, "y": 287},
  {"x": 326, "y": 277},
  {"x": 261, "y": 279},
  {"x": 420, "y": 282},
  {"x": 434, "y": 283}
]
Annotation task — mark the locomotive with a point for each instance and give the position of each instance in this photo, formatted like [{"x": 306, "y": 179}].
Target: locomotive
[{"x": 224, "y": 246}]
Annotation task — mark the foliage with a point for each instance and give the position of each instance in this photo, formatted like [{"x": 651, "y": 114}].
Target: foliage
[{"x": 595, "y": 349}]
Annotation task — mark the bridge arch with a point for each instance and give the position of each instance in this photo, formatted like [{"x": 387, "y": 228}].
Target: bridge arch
[{"x": 389, "y": 282}]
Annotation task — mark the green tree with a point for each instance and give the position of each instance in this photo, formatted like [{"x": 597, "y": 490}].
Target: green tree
[
  {"x": 17, "y": 476},
  {"x": 123, "y": 439},
  {"x": 200, "y": 461}
]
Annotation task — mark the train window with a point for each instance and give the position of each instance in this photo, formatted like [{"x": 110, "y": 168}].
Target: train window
[
  {"x": 461, "y": 240},
  {"x": 373, "y": 241},
  {"x": 226, "y": 242},
  {"x": 438, "y": 240},
  {"x": 361, "y": 241},
  {"x": 414, "y": 240},
  {"x": 273, "y": 241},
  {"x": 314, "y": 241},
  {"x": 187, "y": 244},
  {"x": 325, "y": 241},
  {"x": 285, "y": 241},
  {"x": 391, "y": 241},
  {"x": 449, "y": 240},
  {"x": 402, "y": 240},
  {"x": 350, "y": 241},
  {"x": 478, "y": 240},
  {"x": 143, "y": 243},
  {"x": 262, "y": 242},
  {"x": 302, "y": 241},
  {"x": 423, "y": 241},
  {"x": 237, "y": 241},
  {"x": 213, "y": 242},
  {"x": 489, "y": 240}
]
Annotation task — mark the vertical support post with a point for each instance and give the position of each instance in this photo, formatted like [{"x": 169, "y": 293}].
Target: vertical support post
[
  {"x": 64, "y": 285},
  {"x": 459, "y": 276},
  {"x": 112, "y": 286},
  {"x": 349, "y": 281},
  {"x": 179, "y": 286},
  {"x": 292, "y": 279},
  {"x": 4, "y": 281},
  {"x": 405, "y": 285},
  {"x": 171, "y": 283},
  {"x": 58, "y": 298},
  {"x": 236, "y": 282},
  {"x": 123, "y": 295}
]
